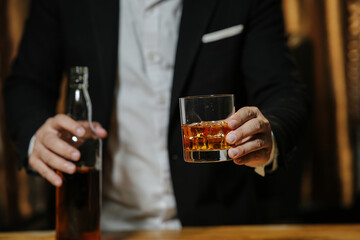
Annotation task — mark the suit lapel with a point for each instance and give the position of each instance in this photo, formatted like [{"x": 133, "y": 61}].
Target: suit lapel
[{"x": 195, "y": 18}]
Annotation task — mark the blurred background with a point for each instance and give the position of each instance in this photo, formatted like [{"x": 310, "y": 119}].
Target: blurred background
[{"x": 322, "y": 185}]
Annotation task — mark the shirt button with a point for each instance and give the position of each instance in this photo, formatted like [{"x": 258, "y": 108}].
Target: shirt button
[
  {"x": 169, "y": 66},
  {"x": 162, "y": 100},
  {"x": 154, "y": 57}
]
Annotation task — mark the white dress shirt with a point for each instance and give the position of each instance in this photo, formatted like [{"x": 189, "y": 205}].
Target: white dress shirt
[{"x": 137, "y": 185}]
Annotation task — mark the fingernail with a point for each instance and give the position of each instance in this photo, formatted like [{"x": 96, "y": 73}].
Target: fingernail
[
  {"x": 57, "y": 182},
  {"x": 80, "y": 131},
  {"x": 232, "y": 123},
  {"x": 233, "y": 152},
  {"x": 101, "y": 130},
  {"x": 231, "y": 138},
  {"x": 75, "y": 155},
  {"x": 69, "y": 167}
]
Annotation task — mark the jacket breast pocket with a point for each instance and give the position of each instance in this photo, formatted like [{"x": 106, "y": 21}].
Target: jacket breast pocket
[
  {"x": 222, "y": 34},
  {"x": 223, "y": 41}
]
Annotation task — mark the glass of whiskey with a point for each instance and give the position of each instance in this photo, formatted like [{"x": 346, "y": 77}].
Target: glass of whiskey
[{"x": 204, "y": 128}]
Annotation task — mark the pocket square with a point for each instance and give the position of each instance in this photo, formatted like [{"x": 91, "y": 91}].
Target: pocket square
[{"x": 223, "y": 33}]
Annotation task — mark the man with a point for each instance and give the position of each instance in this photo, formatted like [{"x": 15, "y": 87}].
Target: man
[{"x": 160, "y": 50}]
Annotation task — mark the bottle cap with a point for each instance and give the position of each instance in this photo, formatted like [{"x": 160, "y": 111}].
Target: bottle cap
[{"x": 79, "y": 75}]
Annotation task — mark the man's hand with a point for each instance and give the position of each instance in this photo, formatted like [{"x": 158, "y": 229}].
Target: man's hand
[
  {"x": 51, "y": 151},
  {"x": 250, "y": 138}
]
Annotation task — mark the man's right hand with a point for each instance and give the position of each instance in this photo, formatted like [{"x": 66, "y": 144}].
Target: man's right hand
[{"x": 50, "y": 151}]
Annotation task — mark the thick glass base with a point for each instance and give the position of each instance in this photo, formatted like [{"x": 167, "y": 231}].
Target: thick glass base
[{"x": 206, "y": 156}]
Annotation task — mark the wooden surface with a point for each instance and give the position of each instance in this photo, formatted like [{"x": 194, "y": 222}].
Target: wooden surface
[{"x": 269, "y": 232}]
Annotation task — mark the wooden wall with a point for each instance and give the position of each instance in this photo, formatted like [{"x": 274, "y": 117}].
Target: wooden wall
[{"x": 329, "y": 173}]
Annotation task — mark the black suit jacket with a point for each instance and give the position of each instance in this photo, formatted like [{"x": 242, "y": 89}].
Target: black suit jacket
[{"x": 253, "y": 65}]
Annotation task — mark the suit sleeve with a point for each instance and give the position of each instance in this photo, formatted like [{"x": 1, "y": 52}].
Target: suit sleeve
[
  {"x": 270, "y": 77},
  {"x": 32, "y": 89}
]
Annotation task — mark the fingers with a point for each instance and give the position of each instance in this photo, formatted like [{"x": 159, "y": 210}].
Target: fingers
[
  {"x": 246, "y": 122},
  {"x": 45, "y": 161},
  {"x": 248, "y": 147},
  {"x": 64, "y": 122},
  {"x": 250, "y": 138},
  {"x": 55, "y": 144},
  {"x": 50, "y": 151},
  {"x": 256, "y": 143},
  {"x": 253, "y": 159},
  {"x": 242, "y": 115},
  {"x": 45, "y": 171},
  {"x": 251, "y": 127},
  {"x": 254, "y": 152},
  {"x": 56, "y": 162},
  {"x": 99, "y": 130}
]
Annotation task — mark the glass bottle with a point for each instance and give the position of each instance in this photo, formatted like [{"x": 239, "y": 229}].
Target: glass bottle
[{"x": 78, "y": 200}]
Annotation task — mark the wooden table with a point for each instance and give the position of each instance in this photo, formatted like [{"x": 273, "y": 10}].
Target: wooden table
[{"x": 267, "y": 232}]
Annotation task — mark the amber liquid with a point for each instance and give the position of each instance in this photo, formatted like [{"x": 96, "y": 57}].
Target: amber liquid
[
  {"x": 78, "y": 205},
  {"x": 205, "y": 136},
  {"x": 205, "y": 141}
]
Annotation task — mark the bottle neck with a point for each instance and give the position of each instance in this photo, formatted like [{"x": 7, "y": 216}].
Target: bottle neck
[
  {"x": 77, "y": 106},
  {"x": 78, "y": 103}
]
